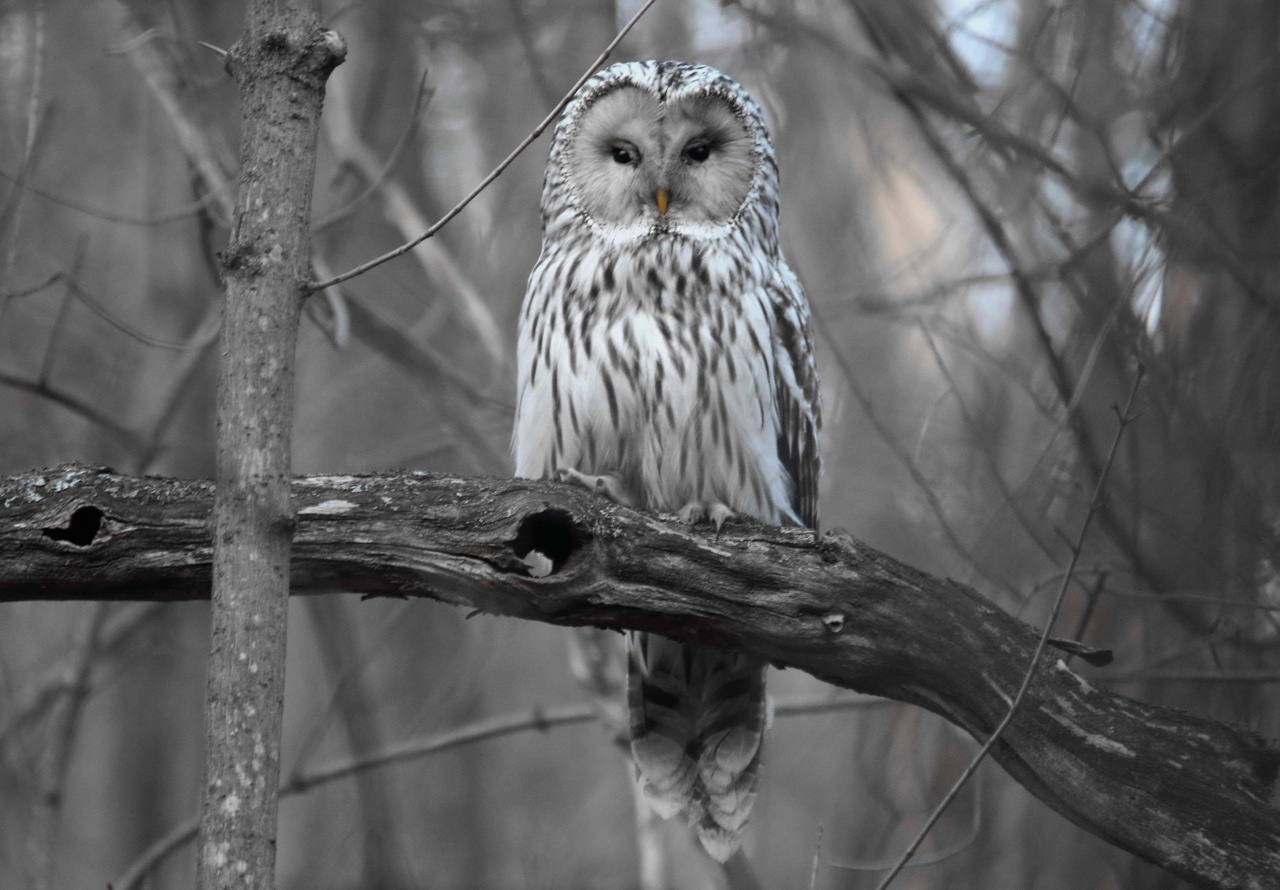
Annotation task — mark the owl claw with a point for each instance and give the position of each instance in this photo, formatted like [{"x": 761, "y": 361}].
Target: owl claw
[
  {"x": 700, "y": 511},
  {"x": 606, "y": 486}
]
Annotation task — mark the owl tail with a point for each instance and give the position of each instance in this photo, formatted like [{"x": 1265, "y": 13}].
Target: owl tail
[{"x": 697, "y": 720}]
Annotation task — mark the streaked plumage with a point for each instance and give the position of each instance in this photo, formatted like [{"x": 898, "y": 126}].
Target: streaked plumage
[{"x": 667, "y": 348}]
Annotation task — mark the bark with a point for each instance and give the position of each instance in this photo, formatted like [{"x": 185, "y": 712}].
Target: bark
[
  {"x": 1189, "y": 794},
  {"x": 281, "y": 65}
]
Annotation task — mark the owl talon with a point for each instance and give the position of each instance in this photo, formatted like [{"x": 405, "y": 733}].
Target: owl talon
[
  {"x": 714, "y": 512},
  {"x": 604, "y": 485}
]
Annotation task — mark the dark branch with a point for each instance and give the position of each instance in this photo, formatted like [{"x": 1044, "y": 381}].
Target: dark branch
[{"x": 1187, "y": 793}]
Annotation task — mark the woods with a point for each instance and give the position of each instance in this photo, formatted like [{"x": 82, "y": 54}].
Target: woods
[{"x": 1001, "y": 212}]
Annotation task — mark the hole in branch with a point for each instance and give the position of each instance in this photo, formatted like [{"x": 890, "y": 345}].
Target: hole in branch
[
  {"x": 83, "y": 527},
  {"x": 551, "y": 533}
]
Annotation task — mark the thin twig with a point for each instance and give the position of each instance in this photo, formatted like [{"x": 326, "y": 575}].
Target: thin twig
[
  {"x": 539, "y": 719},
  {"x": 155, "y": 219},
  {"x": 59, "y": 679},
  {"x": 817, "y": 859},
  {"x": 1207, "y": 599},
  {"x": 13, "y": 203},
  {"x": 75, "y": 405},
  {"x": 68, "y": 280},
  {"x": 32, "y": 290},
  {"x": 335, "y": 627},
  {"x": 932, "y": 858},
  {"x": 1010, "y": 499},
  {"x": 61, "y": 739},
  {"x": 497, "y": 171},
  {"x": 400, "y": 210},
  {"x": 171, "y": 91},
  {"x": 60, "y": 320},
  {"x": 205, "y": 154},
  {"x": 192, "y": 359},
  {"x": 1090, "y": 604},
  {"x": 427, "y": 369},
  {"x": 422, "y": 97},
  {"x": 1125, "y": 418},
  {"x": 1147, "y": 676},
  {"x": 524, "y": 34},
  {"x": 904, "y": 457}
]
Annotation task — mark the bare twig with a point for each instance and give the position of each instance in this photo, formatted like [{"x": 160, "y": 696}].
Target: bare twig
[
  {"x": 817, "y": 859},
  {"x": 1025, "y": 289},
  {"x": 60, "y": 320},
  {"x": 12, "y": 208},
  {"x": 152, "y": 219},
  {"x": 31, "y": 289},
  {"x": 77, "y": 406},
  {"x": 428, "y": 369},
  {"x": 334, "y": 625},
  {"x": 59, "y": 680},
  {"x": 932, "y": 858},
  {"x": 497, "y": 171},
  {"x": 904, "y": 457},
  {"x": 1149, "y": 676},
  {"x": 435, "y": 258},
  {"x": 68, "y": 281},
  {"x": 199, "y": 346},
  {"x": 1090, "y": 604},
  {"x": 61, "y": 740},
  {"x": 205, "y": 152},
  {"x": 524, "y": 34},
  {"x": 1199, "y": 598},
  {"x": 1125, "y": 417},
  {"x": 1008, "y": 498},
  {"x": 376, "y": 177},
  {"x": 535, "y": 720}
]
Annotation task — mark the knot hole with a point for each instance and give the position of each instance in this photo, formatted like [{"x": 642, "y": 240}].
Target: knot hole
[
  {"x": 81, "y": 529},
  {"x": 551, "y": 533}
]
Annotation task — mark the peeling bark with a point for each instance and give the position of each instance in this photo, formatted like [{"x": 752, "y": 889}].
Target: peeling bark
[{"x": 1190, "y": 794}]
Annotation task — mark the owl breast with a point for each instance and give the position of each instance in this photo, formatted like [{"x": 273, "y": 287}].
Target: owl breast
[{"x": 653, "y": 364}]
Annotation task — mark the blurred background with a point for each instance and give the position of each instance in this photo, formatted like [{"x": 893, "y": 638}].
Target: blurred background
[{"x": 999, "y": 208}]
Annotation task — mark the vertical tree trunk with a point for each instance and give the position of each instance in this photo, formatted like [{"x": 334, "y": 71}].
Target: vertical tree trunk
[{"x": 281, "y": 64}]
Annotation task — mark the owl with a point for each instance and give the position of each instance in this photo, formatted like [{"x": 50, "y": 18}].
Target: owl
[{"x": 666, "y": 359}]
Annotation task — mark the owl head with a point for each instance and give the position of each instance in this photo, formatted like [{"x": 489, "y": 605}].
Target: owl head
[{"x": 648, "y": 148}]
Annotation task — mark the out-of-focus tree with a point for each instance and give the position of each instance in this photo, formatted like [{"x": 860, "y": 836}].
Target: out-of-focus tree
[{"x": 999, "y": 208}]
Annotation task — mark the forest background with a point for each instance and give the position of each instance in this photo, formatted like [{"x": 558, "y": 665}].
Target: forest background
[{"x": 999, "y": 210}]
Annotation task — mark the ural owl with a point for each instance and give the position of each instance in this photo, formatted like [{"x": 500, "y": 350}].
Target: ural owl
[{"x": 666, "y": 359}]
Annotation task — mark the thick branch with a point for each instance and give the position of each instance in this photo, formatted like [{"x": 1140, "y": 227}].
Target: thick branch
[{"x": 1187, "y": 793}]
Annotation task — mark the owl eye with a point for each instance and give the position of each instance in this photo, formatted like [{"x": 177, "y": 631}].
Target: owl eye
[
  {"x": 623, "y": 153},
  {"x": 697, "y": 151}
]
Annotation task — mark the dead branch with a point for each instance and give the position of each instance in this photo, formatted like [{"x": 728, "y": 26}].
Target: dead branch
[{"x": 1189, "y": 794}]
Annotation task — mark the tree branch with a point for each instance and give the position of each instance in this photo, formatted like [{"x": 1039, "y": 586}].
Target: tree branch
[{"x": 1187, "y": 793}]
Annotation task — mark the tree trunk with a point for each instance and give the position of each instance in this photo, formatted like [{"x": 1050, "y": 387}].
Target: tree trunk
[{"x": 281, "y": 64}]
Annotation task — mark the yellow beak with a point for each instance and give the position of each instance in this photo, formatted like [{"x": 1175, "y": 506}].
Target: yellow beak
[{"x": 661, "y": 197}]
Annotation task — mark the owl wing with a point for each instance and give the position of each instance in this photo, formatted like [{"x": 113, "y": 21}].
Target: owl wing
[{"x": 795, "y": 388}]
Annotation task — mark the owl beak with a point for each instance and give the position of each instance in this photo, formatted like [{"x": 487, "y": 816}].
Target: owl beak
[{"x": 661, "y": 197}]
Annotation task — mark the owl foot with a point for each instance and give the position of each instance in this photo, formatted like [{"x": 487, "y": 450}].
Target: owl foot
[
  {"x": 605, "y": 485},
  {"x": 705, "y": 511}
]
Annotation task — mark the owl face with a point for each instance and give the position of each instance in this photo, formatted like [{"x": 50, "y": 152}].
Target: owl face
[
  {"x": 661, "y": 147},
  {"x": 637, "y": 159}
]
